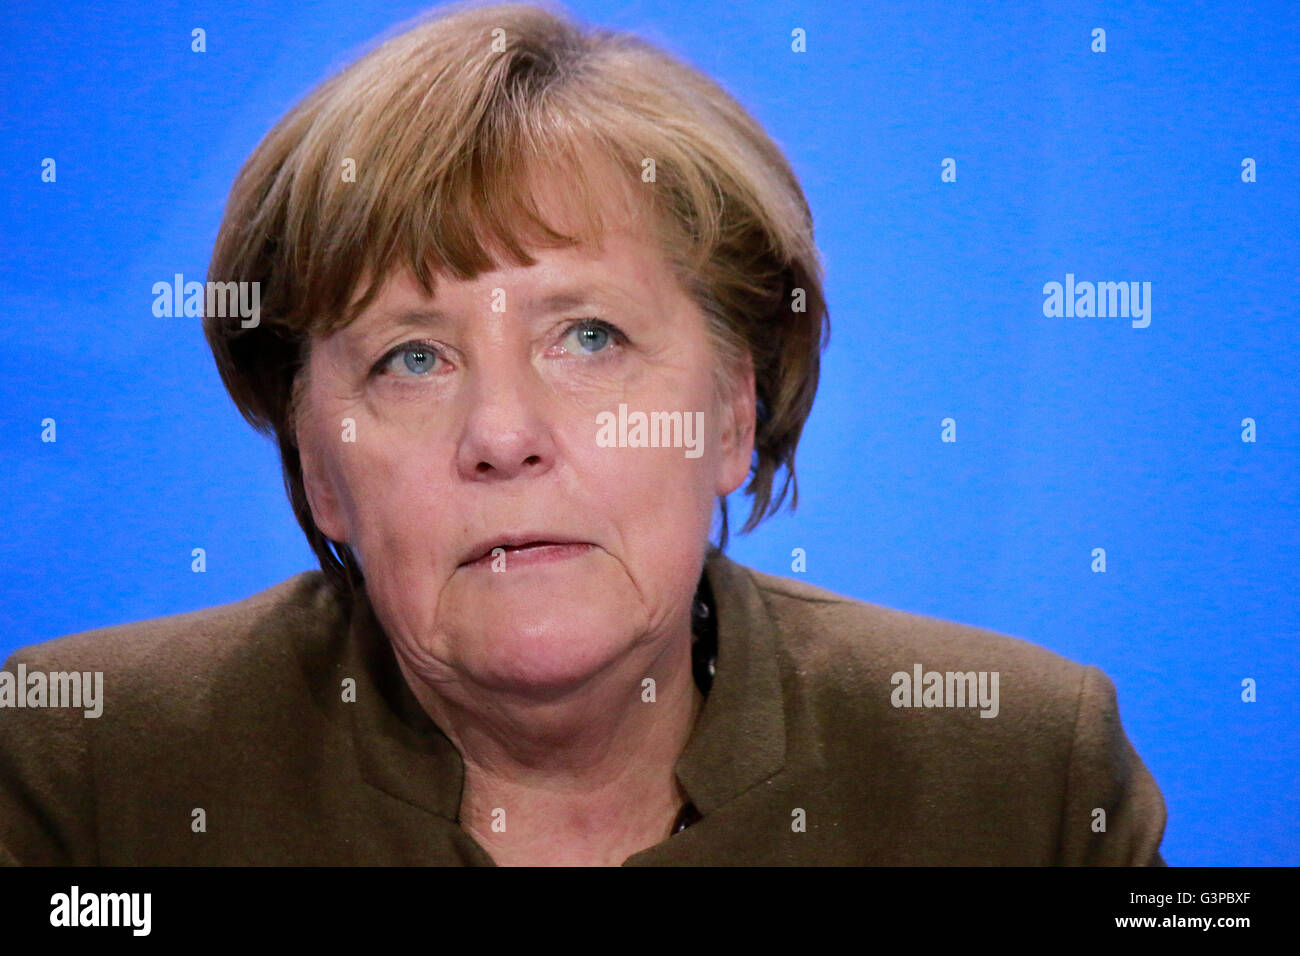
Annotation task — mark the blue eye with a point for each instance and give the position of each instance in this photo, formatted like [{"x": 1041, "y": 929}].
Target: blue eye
[
  {"x": 590, "y": 336},
  {"x": 418, "y": 358}
]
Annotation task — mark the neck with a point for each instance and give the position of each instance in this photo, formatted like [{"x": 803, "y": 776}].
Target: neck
[{"x": 585, "y": 777}]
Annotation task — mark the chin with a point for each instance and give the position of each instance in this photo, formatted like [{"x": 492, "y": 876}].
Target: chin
[{"x": 544, "y": 644}]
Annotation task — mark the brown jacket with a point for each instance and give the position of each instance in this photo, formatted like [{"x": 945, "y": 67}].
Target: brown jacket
[{"x": 799, "y": 756}]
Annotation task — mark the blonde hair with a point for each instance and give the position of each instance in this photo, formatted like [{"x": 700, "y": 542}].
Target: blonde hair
[{"x": 445, "y": 126}]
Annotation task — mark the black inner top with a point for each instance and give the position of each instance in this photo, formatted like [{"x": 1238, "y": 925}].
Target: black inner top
[{"x": 704, "y": 659}]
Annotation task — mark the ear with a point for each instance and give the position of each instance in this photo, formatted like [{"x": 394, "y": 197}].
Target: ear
[{"x": 739, "y": 416}]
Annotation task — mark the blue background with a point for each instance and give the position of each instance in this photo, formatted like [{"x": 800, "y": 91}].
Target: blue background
[{"x": 1073, "y": 433}]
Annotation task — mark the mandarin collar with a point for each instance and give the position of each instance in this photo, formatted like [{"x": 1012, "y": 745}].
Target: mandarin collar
[{"x": 738, "y": 739}]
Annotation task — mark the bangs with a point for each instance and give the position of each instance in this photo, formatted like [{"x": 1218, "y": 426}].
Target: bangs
[
  {"x": 461, "y": 218},
  {"x": 386, "y": 185}
]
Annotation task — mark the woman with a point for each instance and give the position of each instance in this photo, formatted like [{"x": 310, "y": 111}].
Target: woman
[{"x": 532, "y": 300}]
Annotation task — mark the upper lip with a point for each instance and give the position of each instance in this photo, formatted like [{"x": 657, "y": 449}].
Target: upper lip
[{"x": 485, "y": 546}]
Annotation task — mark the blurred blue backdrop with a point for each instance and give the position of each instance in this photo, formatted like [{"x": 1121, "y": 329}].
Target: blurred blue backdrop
[{"x": 1073, "y": 433}]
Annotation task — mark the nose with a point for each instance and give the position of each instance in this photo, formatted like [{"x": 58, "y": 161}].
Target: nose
[{"x": 507, "y": 429}]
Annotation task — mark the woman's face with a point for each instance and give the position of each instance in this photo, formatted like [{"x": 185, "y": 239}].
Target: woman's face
[{"x": 435, "y": 430}]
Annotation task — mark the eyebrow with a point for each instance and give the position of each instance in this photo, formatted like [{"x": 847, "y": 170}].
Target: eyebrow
[{"x": 595, "y": 295}]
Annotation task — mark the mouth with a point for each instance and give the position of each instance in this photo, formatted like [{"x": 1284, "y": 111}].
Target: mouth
[{"x": 526, "y": 549}]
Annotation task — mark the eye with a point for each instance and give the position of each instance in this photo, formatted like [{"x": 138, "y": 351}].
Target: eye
[
  {"x": 410, "y": 359},
  {"x": 589, "y": 336}
]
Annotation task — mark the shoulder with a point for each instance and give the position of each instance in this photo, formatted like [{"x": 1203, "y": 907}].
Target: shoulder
[
  {"x": 986, "y": 725},
  {"x": 139, "y": 717},
  {"x": 167, "y": 652},
  {"x": 171, "y": 679},
  {"x": 852, "y": 670},
  {"x": 825, "y": 634}
]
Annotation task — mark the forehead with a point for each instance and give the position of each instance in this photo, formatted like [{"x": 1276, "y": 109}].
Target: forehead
[
  {"x": 585, "y": 217},
  {"x": 625, "y": 263},
  {"x": 619, "y": 257}
]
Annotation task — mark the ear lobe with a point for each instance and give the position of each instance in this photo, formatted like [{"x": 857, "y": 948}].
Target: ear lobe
[{"x": 738, "y": 429}]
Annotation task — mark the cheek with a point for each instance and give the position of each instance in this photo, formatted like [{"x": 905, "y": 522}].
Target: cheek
[
  {"x": 656, "y": 495},
  {"x": 397, "y": 499}
]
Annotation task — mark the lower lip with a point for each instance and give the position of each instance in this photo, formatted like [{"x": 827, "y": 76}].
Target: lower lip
[{"x": 536, "y": 554}]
